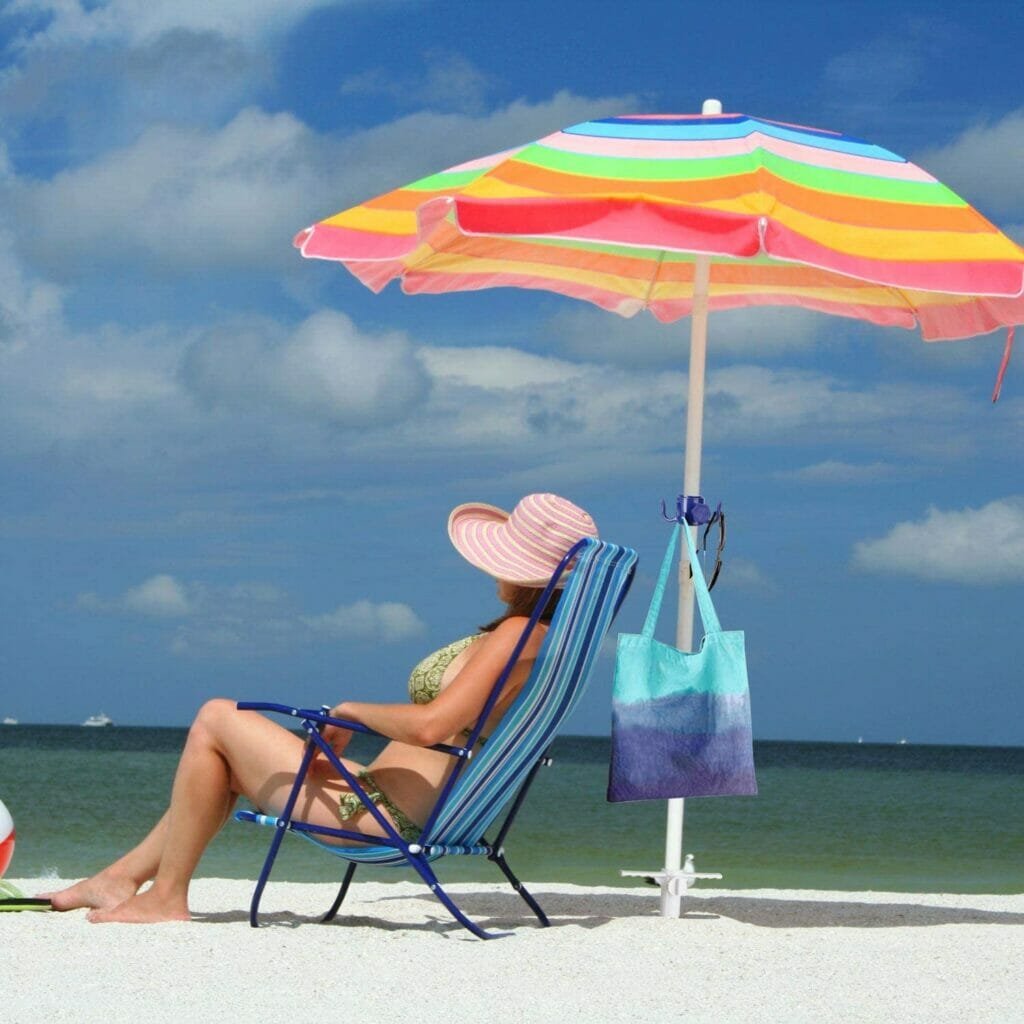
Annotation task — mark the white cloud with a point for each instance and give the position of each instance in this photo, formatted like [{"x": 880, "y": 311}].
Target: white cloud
[
  {"x": 384, "y": 622},
  {"x": 983, "y": 164},
  {"x": 326, "y": 370},
  {"x": 886, "y": 66},
  {"x": 889, "y": 71},
  {"x": 389, "y": 155},
  {"x": 28, "y": 304},
  {"x": 326, "y": 393},
  {"x": 974, "y": 546},
  {"x": 63, "y": 391},
  {"x": 528, "y": 409},
  {"x": 741, "y": 574},
  {"x": 756, "y": 402},
  {"x": 152, "y": 400},
  {"x": 111, "y": 384},
  {"x": 497, "y": 368},
  {"x": 249, "y": 617},
  {"x": 522, "y": 405},
  {"x": 103, "y": 73},
  {"x": 835, "y": 471},
  {"x": 180, "y": 198},
  {"x": 448, "y": 82},
  {"x": 159, "y": 597},
  {"x": 754, "y": 332},
  {"x": 578, "y": 468},
  {"x": 100, "y": 98},
  {"x": 78, "y": 21}
]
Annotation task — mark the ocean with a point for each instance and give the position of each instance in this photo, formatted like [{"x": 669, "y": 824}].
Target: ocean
[{"x": 904, "y": 818}]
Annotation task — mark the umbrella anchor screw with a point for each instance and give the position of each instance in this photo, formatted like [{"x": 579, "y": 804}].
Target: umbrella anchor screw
[{"x": 673, "y": 883}]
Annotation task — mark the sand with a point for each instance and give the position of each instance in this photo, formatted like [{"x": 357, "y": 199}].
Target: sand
[{"x": 779, "y": 956}]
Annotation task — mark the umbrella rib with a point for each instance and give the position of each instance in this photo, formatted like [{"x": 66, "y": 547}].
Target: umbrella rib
[
  {"x": 902, "y": 295},
  {"x": 654, "y": 279}
]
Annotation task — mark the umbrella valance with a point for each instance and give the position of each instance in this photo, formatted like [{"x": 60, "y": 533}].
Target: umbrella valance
[{"x": 615, "y": 212}]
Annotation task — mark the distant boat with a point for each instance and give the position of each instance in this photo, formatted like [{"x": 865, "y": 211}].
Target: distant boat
[
  {"x": 903, "y": 740},
  {"x": 10, "y": 721},
  {"x": 98, "y": 720}
]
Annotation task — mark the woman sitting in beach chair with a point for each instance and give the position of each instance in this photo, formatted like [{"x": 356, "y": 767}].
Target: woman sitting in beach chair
[{"x": 232, "y": 753}]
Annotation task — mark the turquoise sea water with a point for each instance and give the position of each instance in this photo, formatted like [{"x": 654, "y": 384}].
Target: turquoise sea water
[{"x": 828, "y": 816}]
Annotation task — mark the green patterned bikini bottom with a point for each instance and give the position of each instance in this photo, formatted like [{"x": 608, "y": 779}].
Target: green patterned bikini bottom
[{"x": 349, "y": 805}]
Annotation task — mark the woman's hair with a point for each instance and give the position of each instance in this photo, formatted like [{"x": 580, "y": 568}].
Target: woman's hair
[{"x": 523, "y": 602}]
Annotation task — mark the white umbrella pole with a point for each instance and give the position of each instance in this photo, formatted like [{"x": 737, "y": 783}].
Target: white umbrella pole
[{"x": 671, "y": 892}]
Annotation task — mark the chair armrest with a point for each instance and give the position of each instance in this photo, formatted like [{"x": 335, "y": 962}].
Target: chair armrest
[
  {"x": 322, "y": 718},
  {"x": 306, "y": 714}
]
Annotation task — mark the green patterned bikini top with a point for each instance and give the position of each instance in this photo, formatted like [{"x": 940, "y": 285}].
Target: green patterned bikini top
[{"x": 425, "y": 681}]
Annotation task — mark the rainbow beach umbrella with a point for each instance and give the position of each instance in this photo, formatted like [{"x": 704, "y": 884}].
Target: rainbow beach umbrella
[
  {"x": 616, "y": 212},
  {"x": 686, "y": 214}
]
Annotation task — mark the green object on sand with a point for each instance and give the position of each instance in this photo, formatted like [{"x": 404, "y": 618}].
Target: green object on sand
[{"x": 11, "y": 898}]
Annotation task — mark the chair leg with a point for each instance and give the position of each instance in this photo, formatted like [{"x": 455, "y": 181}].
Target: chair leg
[
  {"x": 275, "y": 844},
  {"x": 261, "y": 884},
  {"x": 332, "y": 913},
  {"x": 428, "y": 876},
  {"x": 499, "y": 859}
]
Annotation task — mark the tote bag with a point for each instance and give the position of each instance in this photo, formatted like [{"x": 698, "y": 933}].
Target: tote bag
[{"x": 681, "y": 720}]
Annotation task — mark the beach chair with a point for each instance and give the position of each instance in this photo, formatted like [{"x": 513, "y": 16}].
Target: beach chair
[{"x": 497, "y": 775}]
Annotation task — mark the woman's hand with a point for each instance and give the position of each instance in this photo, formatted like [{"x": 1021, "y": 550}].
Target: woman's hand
[{"x": 336, "y": 737}]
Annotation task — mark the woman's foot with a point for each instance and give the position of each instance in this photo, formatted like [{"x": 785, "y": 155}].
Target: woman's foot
[
  {"x": 147, "y": 907},
  {"x": 100, "y": 892}
]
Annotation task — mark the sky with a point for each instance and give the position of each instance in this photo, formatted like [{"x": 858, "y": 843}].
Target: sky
[{"x": 226, "y": 470}]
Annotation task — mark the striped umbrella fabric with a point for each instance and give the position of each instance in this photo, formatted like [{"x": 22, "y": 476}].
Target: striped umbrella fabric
[{"x": 615, "y": 211}]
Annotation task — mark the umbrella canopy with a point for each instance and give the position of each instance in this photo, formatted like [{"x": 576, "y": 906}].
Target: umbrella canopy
[{"x": 613, "y": 211}]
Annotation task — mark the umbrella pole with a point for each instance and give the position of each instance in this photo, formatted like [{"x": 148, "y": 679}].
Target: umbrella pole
[{"x": 671, "y": 886}]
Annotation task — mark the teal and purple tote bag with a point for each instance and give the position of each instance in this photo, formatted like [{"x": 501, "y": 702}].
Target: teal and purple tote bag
[{"x": 681, "y": 720}]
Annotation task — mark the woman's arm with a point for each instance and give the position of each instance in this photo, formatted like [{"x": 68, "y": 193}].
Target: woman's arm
[{"x": 459, "y": 704}]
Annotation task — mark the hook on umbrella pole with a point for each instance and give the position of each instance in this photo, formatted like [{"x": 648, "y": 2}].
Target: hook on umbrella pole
[{"x": 691, "y": 509}]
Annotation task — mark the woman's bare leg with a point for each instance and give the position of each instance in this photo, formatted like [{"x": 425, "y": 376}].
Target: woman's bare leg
[
  {"x": 116, "y": 882},
  {"x": 228, "y": 752},
  {"x": 119, "y": 880}
]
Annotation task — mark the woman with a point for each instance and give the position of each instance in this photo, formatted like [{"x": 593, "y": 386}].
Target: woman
[{"x": 231, "y": 753}]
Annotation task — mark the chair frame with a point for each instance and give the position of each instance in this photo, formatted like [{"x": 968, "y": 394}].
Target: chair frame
[{"x": 415, "y": 854}]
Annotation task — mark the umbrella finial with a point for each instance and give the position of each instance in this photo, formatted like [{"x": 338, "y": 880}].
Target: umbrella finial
[{"x": 711, "y": 107}]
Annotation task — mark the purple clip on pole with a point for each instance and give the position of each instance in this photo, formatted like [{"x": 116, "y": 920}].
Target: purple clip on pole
[{"x": 690, "y": 508}]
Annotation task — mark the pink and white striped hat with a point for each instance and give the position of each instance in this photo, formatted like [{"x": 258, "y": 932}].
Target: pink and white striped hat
[{"x": 523, "y": 546}]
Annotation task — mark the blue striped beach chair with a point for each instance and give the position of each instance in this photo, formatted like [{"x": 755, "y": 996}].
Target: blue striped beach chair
[{"x": 497, "y": 775}]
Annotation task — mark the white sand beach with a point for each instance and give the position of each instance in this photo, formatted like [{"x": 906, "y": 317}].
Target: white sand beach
[{"x": 736, "y": 956}]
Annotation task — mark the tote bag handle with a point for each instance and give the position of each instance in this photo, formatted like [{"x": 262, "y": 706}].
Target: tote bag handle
[{"x": 708, "y": 615}]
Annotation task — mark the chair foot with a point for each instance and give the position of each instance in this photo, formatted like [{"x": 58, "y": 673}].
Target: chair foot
[
  {"x": 428, "y": 876},
  {"x": 332, "y": 913},
  {"x": 459, "y": 916},
  {"x": 533, "y": 905},
  {"x": 499, "y": 859}
]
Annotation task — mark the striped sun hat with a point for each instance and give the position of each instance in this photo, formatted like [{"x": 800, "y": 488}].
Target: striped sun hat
[{"x": 523, "y": 546}]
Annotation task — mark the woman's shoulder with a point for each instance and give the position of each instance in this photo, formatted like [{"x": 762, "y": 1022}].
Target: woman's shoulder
[{"x": 508, "y": 632}]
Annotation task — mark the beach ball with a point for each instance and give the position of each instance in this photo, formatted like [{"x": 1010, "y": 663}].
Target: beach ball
[{"x": 6, "y": 838}]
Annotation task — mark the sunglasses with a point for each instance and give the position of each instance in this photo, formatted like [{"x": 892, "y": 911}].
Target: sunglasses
[{"x": 694, "y": 512}]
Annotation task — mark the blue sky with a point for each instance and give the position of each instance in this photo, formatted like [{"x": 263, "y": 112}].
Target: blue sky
[{"x": 225, "y": 470}]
